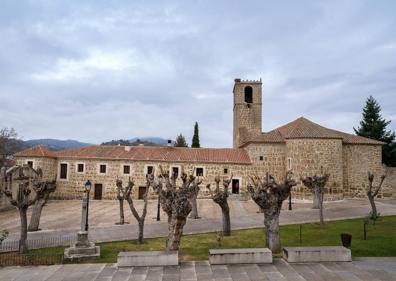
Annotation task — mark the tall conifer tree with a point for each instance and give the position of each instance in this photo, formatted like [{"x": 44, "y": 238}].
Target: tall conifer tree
[
  {"x": 195, "y": 139},
  {"x": 373, "y": 126}
]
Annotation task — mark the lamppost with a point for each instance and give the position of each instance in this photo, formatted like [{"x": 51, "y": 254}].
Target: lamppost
[
  {"x": 85, "y": 206},
  {"x": 290, "y": 202},
  {"x": 158, "y": 208}
]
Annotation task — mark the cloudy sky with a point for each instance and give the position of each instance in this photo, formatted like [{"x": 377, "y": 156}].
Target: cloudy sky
[{"x": 101, "y": 70}]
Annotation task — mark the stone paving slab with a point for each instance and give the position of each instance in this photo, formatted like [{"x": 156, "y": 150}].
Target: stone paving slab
[{"x": 361, "y": 270}]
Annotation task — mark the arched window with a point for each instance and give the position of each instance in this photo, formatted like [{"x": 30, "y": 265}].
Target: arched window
[{"x": 248, "y": 94}]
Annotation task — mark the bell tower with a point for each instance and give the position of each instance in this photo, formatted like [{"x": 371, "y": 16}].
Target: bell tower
[{"x": 247, "y": 109}]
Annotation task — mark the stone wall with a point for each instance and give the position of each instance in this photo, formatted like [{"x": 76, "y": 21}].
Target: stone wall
[
  {"x": 307, "y": 156},
  {"x": 358, "y": 160},
  {"x": 267, "y": 158},
  {"x": 48, "y": 165},
  {"x": 73, "y": 186},
  {"x": 389, "y": 188}
]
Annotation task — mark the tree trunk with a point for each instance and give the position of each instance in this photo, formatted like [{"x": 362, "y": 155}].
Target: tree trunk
[
  {"x": 175, "y": 233},
  {"x": 226, "y": 219},
  {"x": 141, "y": 231},
  {"x": 23, "y": 249},
  {"x": 373, "y": 206},
  {"x": 271, "y": 223},
  {"x": 316, "y": 199},
  {"x": 36, "y": 215},
  {"x": 121, "y": 211},
  {"x": 321, "y": 208},
  {"x": 194, "y": 211}
]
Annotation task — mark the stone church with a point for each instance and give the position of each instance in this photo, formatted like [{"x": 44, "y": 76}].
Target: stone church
[{"x": 301, "y": 146}]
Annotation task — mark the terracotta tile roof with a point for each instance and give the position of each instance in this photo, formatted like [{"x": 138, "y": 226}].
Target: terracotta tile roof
[
  {"x": 37, "y": 151},
  {"x": 304, "y": 128},
  {"x": 167, "y": 154}
]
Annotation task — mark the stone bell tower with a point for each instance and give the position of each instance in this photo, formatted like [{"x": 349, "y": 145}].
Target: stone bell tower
[{"x": 247, "y": 109}]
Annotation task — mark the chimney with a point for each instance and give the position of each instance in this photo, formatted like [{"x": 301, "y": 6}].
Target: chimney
[
  {"x": 127, "y": 148},
  {"x": 169, "y": 142},
  {"x": 141, "y": 144}
]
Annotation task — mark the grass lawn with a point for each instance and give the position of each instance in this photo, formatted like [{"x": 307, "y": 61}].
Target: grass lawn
[{"x": 381, "y": 240}]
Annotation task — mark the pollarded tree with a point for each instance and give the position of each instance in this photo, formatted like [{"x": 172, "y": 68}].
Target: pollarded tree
[
  {"x": 316, "y": 185},
  {"x": 121, "y": 193},
  {"x": 220, "y": 197},
  {"x": 140, "y": 219},
  {"x": 25, "y": 178},
  {"x": 176, "y": 203},
  {"x": 372, "y": 193},
  {"x": 269, "y": 196},
  {"x": 43, "y": 190},
  {"x": 194, "y": 204}
]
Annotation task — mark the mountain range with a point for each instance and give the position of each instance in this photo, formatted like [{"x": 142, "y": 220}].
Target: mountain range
[{"x": 56, "y": 144}]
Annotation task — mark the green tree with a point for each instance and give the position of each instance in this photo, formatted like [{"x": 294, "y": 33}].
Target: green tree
[
  {"x": 195, "y": 139},
  {"x": 181, "y": 141},
  {"x": 373, "y": 126}
]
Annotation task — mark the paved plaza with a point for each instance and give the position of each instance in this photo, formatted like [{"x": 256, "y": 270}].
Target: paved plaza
[
  {"x": 370, "y": 269},
  {"x": 61, "y": 219}
]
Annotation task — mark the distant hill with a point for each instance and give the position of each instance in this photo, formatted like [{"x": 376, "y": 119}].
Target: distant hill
[
  {"x": 54, "y": 144},
  {"x": 146, "y": 141}
]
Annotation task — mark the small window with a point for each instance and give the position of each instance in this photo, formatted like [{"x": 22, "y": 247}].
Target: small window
[
  {"x": 225, "y": 171},
  {"x": 289, "y": 163},
  {"x": 30, "y": 164},
  {"x": 80, "y": 168},
  {"x": 248, "y": 94},
  {"x": 150, "y": 170},
  {"x": 261, "y": 158},
  {"x": 102, "y": 169},
  {"x": 199, "y": 172},
  {"x": 63, "y": 171},
  {"x": 175, "y": 171},
  {"x": 127, "y": 169}
]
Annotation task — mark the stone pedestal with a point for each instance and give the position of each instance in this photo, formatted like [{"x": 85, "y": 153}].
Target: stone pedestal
[{"x": 82, "y": 248}]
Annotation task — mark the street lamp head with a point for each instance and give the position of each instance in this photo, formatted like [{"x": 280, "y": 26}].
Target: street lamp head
[{"x": 88, "y": 185}]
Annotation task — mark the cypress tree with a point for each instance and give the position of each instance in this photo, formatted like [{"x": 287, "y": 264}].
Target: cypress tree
[
  {"x": 195, "y": 139},
  {"x": 373, "y": 126},
  {"x": 181, "y": 141}
]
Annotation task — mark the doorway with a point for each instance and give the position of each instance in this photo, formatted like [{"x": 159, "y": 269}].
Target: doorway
[
  {"x": 235, "y": 186},
  {"x": 142, "y": 191},
  {"x": 98, "y": 190}
]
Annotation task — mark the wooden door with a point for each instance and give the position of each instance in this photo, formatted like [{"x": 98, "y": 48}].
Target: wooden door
[
  {"x": 235, "y": 186},
  {"x": 98, "y": 191},
  {"x": 142, "y": 191}
]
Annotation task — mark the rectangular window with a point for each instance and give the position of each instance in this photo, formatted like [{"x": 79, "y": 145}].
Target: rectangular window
[
  {"x": 30, "y": 164},
  {"x": 225, "y": 171},
  {"x": 150, "y": 170},
  {"x": 261, "y": 158},
  {"x": 289, "y": 163},
  {"x": 127, "y": 169},
  {"x": 175, "y": 171},
  {"x": 63, "y": 171},
  {"x": 199, "y": 172},
  {"x": 102, "y": 168},
  {"x": 80, "y": 168}
]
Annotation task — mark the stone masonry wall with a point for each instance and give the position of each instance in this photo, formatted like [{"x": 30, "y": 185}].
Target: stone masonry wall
[
  {"x": 358, "y": 160},
  {"x": 73, "y": 186},
  {"x": 48, "y": 165},
  {"x": 307, "y": 156},
  {"x": 267, "y": 158},
  {"x": 389, "y": 188}
]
